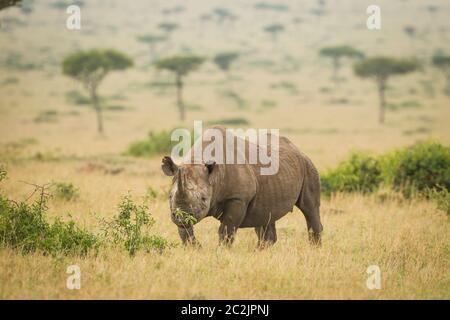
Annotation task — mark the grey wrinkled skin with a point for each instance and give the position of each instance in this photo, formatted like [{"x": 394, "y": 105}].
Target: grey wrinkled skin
[{"x": 240, "y": 197}]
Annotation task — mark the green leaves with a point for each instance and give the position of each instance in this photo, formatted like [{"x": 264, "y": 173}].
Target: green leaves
[
  {"x": 359, "y": 173},
  {"x": 341, "y": 51},
  {"x": 131, "y": 227},
  {"x": 90, "y": 67},
  {"x": 25, "y": 227},
  {"x": 441, "y": 196},
  {"x": 225, "y": 59},
  {"x": 85, "y": 63},
  {"x": 181, "y": 64},
  {"x": 186, "y": 218},
  {"x": 274, "y": 28},
  {"x": 383, "y": 67},
  {"x": 151, "y": 38},
  {"x": 420, "y": 167},
  {"x": 441, "y": 61},
  {"x": 65, "y": 191},
  {"x": 168, "y": 27}
]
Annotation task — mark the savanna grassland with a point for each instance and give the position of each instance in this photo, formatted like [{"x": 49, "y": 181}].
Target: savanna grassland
[{"x": 48, "y": 135}]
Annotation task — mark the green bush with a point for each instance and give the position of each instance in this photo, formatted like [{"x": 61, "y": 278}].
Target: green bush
[
  {"x": 229, "y": 122},
  {"x": 157, "y": 143},
  {"x": 152, "y": 193},
  {"x": 268, "y": 103},
  {"x": 441, "y": 196},
  {"x": 416, "y": 168},
  {"x": 15, "y": 61},
  {"x": 24, "y": 227},
  {"x": 186, "y": 218},
  {"x": 77, "y": 98},
  {"x": 46, "y": 116},
  {"x": 65, "y": 191},
  {"x": 131, "y": 228},
  {"x": 359, "y": 173}
]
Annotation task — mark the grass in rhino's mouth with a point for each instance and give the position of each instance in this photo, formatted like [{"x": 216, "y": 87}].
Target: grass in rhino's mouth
[{"x": 186, "y": 218}]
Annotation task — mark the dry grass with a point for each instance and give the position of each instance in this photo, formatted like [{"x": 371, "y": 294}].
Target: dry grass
[{"x": 408, "y": 240}]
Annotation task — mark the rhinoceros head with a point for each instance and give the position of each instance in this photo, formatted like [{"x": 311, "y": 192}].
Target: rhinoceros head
[{"x": 191, "y": 191}]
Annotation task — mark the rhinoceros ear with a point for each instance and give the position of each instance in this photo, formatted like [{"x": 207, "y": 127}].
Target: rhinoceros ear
[
  {"x": 168, "y": 166},
  {"x": 210, "y": 165}
]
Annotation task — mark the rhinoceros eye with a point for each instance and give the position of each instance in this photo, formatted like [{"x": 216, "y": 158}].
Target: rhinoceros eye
[{"x": 204, "y": 199}]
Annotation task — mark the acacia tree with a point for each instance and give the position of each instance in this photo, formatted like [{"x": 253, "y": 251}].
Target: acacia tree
[
  {"x": 274, "y": 30},
  {"x": 223, "y": 15},
  {"x": 410, "y": 31},
  {"x": 380, "y": 69},
  {"x": 443, "y": 63},
  {"x": 181, "y": 66},
  {"x": 336, "y": 53},
  {"x": 168, "y": 27},
  {"x": 225, "y": 59},
  {"x": 90, "y": 68},
  {"x": 151, "y": 40}
]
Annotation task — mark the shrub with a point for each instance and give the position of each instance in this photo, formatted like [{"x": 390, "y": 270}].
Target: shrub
[
  {"x": 359, "y": 173},
  {"x": 75, "y": 97},
  {"x": 229, "y": 121},
  {"x": 63, "y": 4},
  {"x": 157, "y": 143},
  {"x": 9, "y": 81},
  {"x": 15, "y": 61},
  {"x": 410, "y": 170},
  {"x": 441, "y": 196},
  {"x": 152, "y": 193},
  {"x": 24, "y": 227},
  {"x": 65, "y": 191},
  {"x": 131, "y": 227},
  {"x": 286, "y": 85},
  {"x": 416, "y": 168},
  {"x": 46, "y": 116},
  {"x": 268, "y": 103},
  {"x": 115, "y": 107},
  {"x": 186, "y": 218}
]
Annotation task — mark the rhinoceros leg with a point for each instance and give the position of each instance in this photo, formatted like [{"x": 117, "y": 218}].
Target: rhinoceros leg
[
  {"x": 187, "y": 236},
  {"x": 266, "y": 235},
  {"x": 226, "y": 234},
  {"x": 313, "y": 224},
  {"x": 309, "y": 204},
  {"x": 231, "y": 219}
]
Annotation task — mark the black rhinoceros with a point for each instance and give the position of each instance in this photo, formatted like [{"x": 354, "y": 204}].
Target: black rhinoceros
[{"x": 239, "y": 196}]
